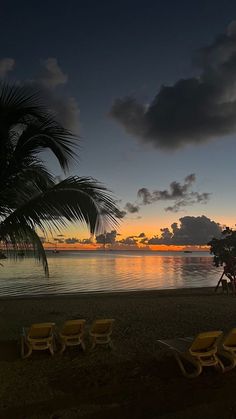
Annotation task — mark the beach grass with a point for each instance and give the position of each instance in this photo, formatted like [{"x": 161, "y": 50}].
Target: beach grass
[{"x": 137, "y": 379}]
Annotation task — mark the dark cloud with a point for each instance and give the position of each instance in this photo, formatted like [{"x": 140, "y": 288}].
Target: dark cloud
[
  {"x": 59, "y": 240},
  {"x": 191, "y": 231},
  {"x": 144, "y": 240},
  {"x": 141, "y": 235},
  {"x": 111, "y": 238},
  {"x": 52, "y": 75},
  {"x": 190, "y": 199},
  {"x": 177, "y": 191},
  {"x": 131, "y": 208},
  {"x": 108, "y": 238},
  {"x": 6, "y": 65},
  {"x": 66, "y": 110},
  {"x": 64, "y": 107},
  {"x": 180, "y": 193},
  {"x": 193, "y": 110},
  {"x": 86, "y": 241},
  {"x": 72, "y": 240},
  {"x": 129, "y": 241}
]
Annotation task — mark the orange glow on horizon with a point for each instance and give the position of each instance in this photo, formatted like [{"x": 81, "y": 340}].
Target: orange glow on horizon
[{"x": 94, "y": 246}]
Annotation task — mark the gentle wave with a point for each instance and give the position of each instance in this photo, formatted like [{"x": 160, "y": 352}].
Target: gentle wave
[{"x": 73, "y": 272}]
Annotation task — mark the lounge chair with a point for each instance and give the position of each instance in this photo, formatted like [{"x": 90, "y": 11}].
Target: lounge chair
[
  {"x": 227, "y": 348},
  {"x": 38, "y": 337},
  {"x": 101, "y": 331},
  {"x": 71, "y": 334},
  {"x": 199, "y": 352}
]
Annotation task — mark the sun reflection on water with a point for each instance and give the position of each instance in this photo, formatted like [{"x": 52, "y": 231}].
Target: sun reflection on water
[{"x": 107, "y": 271}]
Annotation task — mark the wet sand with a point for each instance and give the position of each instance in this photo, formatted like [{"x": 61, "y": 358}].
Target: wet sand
[{"x": 137, "y": 379}]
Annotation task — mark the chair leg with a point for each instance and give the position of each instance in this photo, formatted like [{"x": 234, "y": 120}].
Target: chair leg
[
  {"x": 83, "y": 345},
  {"x": 229, "y": 357},
  {"x": 220, "y": 364},
  {"x": 63, "y": 347},
  {"x": 51, "y": 349},
  {"x": 196, "y": 364},
  {"x": 54, "y": 345},
  {"x": 28, "y": 353}
]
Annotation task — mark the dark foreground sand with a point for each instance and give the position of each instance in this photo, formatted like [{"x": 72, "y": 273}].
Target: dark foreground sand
[{"x": 137, "y": 379}]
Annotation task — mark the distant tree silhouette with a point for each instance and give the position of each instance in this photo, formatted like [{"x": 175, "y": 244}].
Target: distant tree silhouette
[
  {"x": 224, "y": 250},
  {"x": 31, "y": 200}
]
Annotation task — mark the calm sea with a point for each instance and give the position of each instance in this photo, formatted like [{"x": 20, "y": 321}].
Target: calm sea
[{"x": 93, "y": 271}]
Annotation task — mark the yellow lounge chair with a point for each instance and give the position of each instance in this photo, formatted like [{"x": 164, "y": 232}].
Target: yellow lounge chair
[
  {"x": 38, "y": 337},
  {"x": 199, "y": 352},
  {"x": 71, "y": 334},
  {"x": 227, "y": 348},
  {"x": 229, "y": 342},
  {"x": 101, "y": 331}
]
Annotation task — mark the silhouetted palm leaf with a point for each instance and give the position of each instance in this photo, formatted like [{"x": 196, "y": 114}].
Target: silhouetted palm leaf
[
  {"x": 73, "y": 199},
  {"x": 27, "y": 127},
  {"x": 29, "y": 196},
  {"x": 22, "y": 237}
]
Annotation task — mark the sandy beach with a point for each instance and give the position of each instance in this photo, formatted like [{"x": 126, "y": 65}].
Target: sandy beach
[{"x": 138, "y": 378}]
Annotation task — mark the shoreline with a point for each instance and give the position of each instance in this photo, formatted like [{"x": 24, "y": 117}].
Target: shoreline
[{"x": 148, "y": 292}]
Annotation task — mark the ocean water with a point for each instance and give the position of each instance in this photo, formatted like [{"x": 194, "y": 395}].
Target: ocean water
[{"x": 102, "y": 271}]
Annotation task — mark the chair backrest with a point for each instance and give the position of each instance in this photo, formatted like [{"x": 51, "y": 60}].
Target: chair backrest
[
  {"x": 103, "y": 326},
  {"x": 73, "y": 327},
  {"x": 205, "y": 341},
  {"x": 40, "y": 330},
  {"x": 230, "y": 339}
]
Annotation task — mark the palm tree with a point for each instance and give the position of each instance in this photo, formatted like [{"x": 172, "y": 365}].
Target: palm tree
[{"x": 30, "y": 198}]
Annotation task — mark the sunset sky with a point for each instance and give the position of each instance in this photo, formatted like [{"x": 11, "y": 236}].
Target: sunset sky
[{"x": 150, "y": 88}]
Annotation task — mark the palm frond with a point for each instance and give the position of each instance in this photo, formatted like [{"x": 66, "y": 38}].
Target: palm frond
[
  {"x": 25, "y": 119},
  {"x": 46, "y": 134},
  {"x": 23, "y": 237},
  {"x": 73, "y": 199},
  {"x": 22, "y": 186},
  {"x": 17, "y": 104}
]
